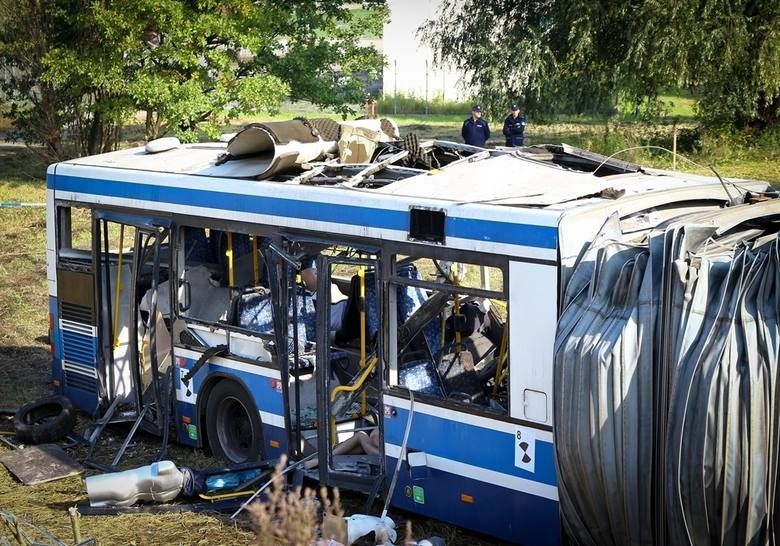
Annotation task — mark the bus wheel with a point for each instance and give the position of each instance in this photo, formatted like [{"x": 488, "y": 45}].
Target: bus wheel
[
  {"x": 233, "y": 424},
  {"x": 46, "y": 420}
]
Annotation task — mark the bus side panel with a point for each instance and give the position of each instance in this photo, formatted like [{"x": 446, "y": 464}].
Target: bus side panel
[
  {"x": 533, "y": 320},
  {"x": 470, "y": 477},
  {"x": 76, "y": 331},
  {"x": 263, "y": 383},
  {"x": 56, "y": 345}
]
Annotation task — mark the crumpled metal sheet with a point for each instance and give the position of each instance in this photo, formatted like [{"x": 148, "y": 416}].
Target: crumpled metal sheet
[{"x": 665, "y": 409}]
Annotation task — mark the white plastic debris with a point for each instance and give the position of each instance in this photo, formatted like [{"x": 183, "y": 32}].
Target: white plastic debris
[
  {"x": 159, "y": 482},
  {"x": 359, "y": 525}
]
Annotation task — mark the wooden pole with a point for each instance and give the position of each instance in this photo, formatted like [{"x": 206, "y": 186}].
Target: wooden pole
[{"x": 75, "y": 524}]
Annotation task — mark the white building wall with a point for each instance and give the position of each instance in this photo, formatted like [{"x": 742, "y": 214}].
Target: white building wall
[{"x": 409, "y": 68}]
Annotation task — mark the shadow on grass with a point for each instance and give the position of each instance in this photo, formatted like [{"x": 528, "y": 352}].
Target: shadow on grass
[
  {"x": 25, "y": 374},
  {"x": 19, "y": 165}
]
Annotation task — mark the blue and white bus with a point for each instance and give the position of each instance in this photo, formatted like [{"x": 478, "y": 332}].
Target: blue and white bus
[{"x": 284, "y": 314}]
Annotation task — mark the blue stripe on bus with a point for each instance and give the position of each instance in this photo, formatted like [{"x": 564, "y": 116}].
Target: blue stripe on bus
[
  {"x": 498, "y": 511},
  {"x": 260, "y": 387},
  {"x": 502, "y": 232},
  {"x": 469, "y": 444},
  {"x": 56, "y": 342},
  {"x": 465, "y": 228}
]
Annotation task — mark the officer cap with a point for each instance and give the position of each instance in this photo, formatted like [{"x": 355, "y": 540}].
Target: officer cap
[
  {"x": 514, "y": 106},
  {"x": 476, "y": 108}
]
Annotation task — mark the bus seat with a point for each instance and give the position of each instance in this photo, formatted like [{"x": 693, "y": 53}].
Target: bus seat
[
  {"x": 410, "y": 298},
  {"x": 197, "y": 249},
  {"x": 418, "y": 373},
  {"x": 350, "y": 324},
  {"x": 242, "y": 245},
  {"x": 307, "y": 314},
  {"x": 254, "y": 311}
]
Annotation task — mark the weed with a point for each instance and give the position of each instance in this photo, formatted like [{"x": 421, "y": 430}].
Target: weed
[{"x": 290, "y": 517}]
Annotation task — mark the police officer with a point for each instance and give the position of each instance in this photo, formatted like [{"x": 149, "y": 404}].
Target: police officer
[
  {"x": 475, "y": 129},
  {"x": 514, "y": 127}
]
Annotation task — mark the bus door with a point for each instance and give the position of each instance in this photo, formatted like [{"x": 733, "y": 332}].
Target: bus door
[
  {"x": 133, "y": 259},
  {"x": 349, "y": 336}
]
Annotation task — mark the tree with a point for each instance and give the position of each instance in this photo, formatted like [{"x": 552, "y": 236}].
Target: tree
[
  {"x": 188, "y": 65},
  {"x": 577, "y": 55},
  {"x": 39, "y": 110}
]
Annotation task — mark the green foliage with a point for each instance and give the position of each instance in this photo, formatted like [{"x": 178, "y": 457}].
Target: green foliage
[
  {"x": 409, "y": 104},
  {"x": 576, "y": 56},
  {"x": 189, "y": 65}
]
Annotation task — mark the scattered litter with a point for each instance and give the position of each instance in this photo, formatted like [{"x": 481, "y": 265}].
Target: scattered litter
[
  {"x": 360, "y": 525},
  {"x": 163, "y": 482},
  {"x": 160, "y": 482},
  {"x": 45, "y": 420},
  {"x": 40, "y": 464}
]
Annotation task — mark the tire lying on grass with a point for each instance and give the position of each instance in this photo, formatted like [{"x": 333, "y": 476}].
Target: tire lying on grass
[{"x": 48, "y": 419}]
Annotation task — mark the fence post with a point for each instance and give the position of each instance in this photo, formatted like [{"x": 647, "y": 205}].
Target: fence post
[
  {"x": 395, "y": 88},
  {"x": 674, "y": 149},
  {"x": 75, "y": 524},
  {"x": 426, "y": 87}
]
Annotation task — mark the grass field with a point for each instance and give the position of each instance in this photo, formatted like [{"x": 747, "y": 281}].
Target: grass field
[{"x": 24, "y": 373}]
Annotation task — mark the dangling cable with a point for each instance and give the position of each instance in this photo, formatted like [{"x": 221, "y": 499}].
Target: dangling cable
[{"x": 401, "y": 456}]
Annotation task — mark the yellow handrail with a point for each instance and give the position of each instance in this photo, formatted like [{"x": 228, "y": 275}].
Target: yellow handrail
[
  {"x": 118, "y": 284},
  {"x": 221, "y": 496},
  {"x": 229, "y": 254},
  {"x": 349, "y": 388},
  {"x": 362, "y": 277},
  {"x": 456, "y": 311}
]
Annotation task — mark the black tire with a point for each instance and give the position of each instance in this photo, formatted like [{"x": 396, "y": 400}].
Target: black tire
[
  {"x": 233, "y": 425},
  {"x": 48, "y": 419}
]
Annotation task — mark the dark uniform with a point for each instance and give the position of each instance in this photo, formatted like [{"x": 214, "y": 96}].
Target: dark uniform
[
  {"x": 514, "y": 127},
  {"x": 475, "y": 132}
]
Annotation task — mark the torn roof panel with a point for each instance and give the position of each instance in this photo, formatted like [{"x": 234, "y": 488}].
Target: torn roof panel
[{"x": 500, "y": 179}]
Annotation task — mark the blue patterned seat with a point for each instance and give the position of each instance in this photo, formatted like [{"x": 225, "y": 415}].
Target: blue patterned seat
[
  {"x": 410, "y": 298},
  {"x": 254, "y": 311},
  {"x": 197, "y": 249}
]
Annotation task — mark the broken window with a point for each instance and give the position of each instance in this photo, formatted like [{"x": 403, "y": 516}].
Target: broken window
[
  {"x": 223, "y": 285},
  {"x": 74, "y": 235},
  {"x": 449, "y": 323}
]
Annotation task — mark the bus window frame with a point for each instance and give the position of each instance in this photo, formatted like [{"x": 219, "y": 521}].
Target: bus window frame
[{"x": 390, "y": 351}]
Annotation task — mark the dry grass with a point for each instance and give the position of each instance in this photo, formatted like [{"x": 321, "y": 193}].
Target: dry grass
[{"x": 292, "y": 517}]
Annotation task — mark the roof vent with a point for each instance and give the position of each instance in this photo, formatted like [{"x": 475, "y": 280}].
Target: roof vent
[
  {"x": 426, "y": 224},
  {"x": 162, "y": 145}
]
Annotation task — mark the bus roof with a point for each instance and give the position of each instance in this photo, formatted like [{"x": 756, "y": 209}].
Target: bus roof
[{"x": 510, "y": 179}]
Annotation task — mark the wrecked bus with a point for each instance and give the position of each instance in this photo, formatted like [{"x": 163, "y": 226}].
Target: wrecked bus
[{"x": 259, "y": 306}]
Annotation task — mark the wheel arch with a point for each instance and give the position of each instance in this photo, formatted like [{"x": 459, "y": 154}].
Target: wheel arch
[{"x": 211, "y": 381}]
